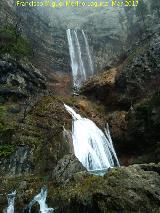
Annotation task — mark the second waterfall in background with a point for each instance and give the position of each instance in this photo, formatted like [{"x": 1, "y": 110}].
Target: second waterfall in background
[
  {"x": 81, "y": 59},
  {"x": 92, "y": 147}
]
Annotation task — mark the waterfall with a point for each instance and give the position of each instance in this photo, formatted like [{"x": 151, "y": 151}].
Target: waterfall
[
  {"x": 81, "y": 65},
  {"x": 74, "y": 63},
  {"x": 41, "y": 199},
  {"x": 11, "y": 199},
  {"x": 92, "y": 147},
  {"x": 88, "y": 53},
  {"x": 81, "y": 60}
]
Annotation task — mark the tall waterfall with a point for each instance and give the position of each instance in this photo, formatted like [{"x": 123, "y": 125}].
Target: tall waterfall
[
  {"x": 92, "y": 147},
  {"x": 41, "y": 199},
  {"x": 88, "y": 53},
  {"x": 81, "y": 60},
  {"x": 11, "y": 199}
]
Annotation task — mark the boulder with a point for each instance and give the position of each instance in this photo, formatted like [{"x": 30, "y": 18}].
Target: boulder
[
  {"x": 66, "y": 168},
  {"x": 125, "y": 189}
]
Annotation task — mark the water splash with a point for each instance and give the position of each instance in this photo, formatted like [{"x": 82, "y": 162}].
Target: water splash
[
  {"x": 92, "y": 147},
  {"x": 81, "y": 60},
  {"x": 11, "y": 200},
  {"x": 41, "y": 199}
]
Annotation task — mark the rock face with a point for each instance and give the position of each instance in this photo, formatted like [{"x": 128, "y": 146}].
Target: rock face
[
  {"x": 142, "y": 130},
  {"x": 123, "y": 189},
  {"x": 132, "y": 80},
  {"x": 20, "y": 79},
  {"x": 33, "y": 142},
  {"x": 33, "y": 150},
  {"x": 126, "y": 189},
  {"x": 130, "y": 94},
  {"x": 110, "y": 31},
  {"x": 102, "y": 87},
  {"x": 140, "y": 72},
  {"x": 49, "y": 42},
  {"x": 66, "y": 168}
]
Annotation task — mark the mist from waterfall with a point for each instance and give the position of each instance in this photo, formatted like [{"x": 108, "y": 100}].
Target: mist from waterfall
[
  {"x": 41, "y": 200},
  {"x": 92, "y": 146},
  {"x": 81, "y": 59},
  {"x": 11, "y": 200}
]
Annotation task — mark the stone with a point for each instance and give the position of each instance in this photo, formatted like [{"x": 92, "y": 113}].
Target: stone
[{"x": 66, "y": 168}]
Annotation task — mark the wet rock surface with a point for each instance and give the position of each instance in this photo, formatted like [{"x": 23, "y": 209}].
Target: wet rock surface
[{"x": 126, "y": 189}]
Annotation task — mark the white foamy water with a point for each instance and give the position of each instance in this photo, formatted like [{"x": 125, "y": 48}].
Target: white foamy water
[
  {"x": 11, "y": 200},
  {"x": 41, "y": 200},
  {"x": 88, "y": 53},
  {"x": 92, "y": 147},
  {"x": 81, "y": 60}
]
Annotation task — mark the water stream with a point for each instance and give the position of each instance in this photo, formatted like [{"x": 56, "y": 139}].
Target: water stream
[
  {"x": 11, "y": 200},
  {"x": 80, "y": 54},
  {"x": 41, "y": 200},
  {"x": 92, "y": 146}
]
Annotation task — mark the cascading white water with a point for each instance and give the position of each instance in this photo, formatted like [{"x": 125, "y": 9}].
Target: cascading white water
[
  {"x": 81, "y": 60},
  {"x": 92, "y": 147},
  {"x": 11, "y": 199},
  {"x": 74, "y": 61},
  {"x": 88, "y": 53},
  {"x": 81, "y": 65},
  {"x": 41, "y": 199}
]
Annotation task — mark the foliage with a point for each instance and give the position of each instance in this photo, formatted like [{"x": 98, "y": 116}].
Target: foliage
[
  {"x": 6, "y": 150},
  {"x": 13, "y": 42}
]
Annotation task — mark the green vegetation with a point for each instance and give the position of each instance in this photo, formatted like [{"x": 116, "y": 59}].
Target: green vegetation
[
  {"x": 6, "y": 150},
  {"x": 12, "y": 42}
]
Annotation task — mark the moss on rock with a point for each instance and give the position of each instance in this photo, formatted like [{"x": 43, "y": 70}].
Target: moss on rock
[{"x": 126, "y": 189}]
